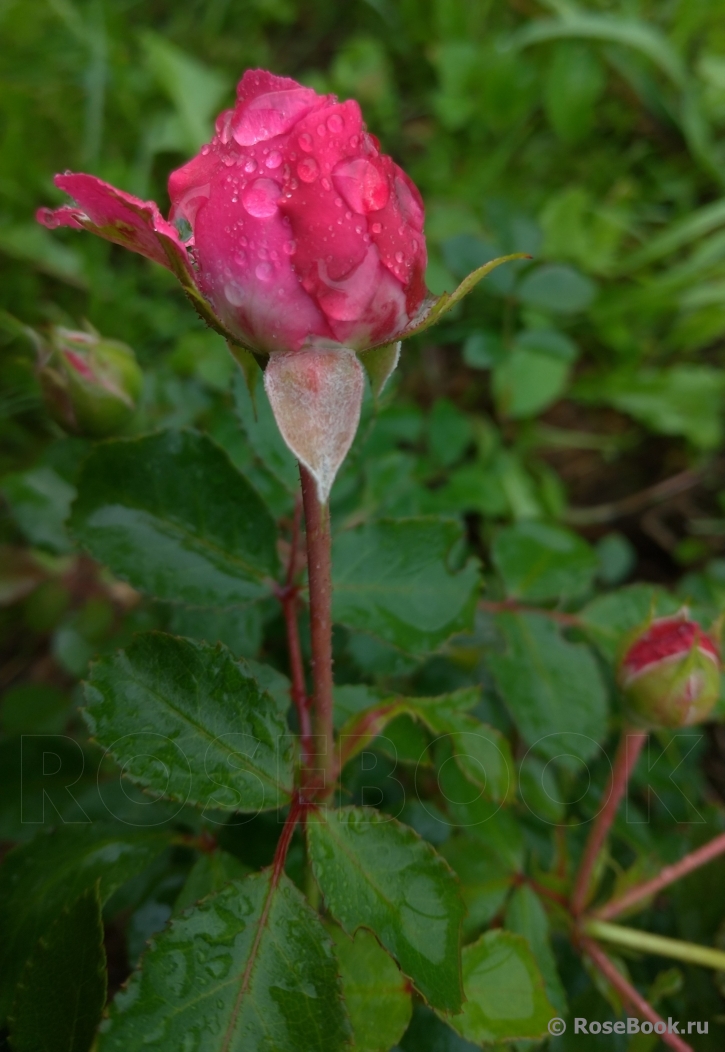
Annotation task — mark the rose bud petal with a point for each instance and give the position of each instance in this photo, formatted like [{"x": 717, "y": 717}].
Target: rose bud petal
[
  {"x": 90, "y": 384},
  {"x": 670, "y": 673}
]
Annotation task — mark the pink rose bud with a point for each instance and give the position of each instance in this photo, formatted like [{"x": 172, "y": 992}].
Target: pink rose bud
[
  {"x": 291, "y": 233},
  {"x": 670, "y": 673},
  {"x": 90, "y": 385},
  {"x": 303, "y": 232}
]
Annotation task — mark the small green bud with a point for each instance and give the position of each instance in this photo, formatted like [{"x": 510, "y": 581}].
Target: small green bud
[
  {"x": 670, "y": 673},
  {"x": 90, "y": 384}
]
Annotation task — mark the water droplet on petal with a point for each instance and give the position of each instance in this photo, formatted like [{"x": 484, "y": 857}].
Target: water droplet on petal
[
  {"x": 376, "y": 228},
  {"x": 250, "y": 165},
  {"x": 273, "y": 113},
  {"x": 228, "y": 160},
  {"x": 222, "y": 125},
  {"x": 354, "y": 142},
  {"x": 305, "y": 141},
  {"x": 205, "y": 149},
  {"x": 260, "y": 198},
  {"x": 264, "y": 271},
  {"x": 308, "y": 170},
  {"x": 363, "y": 186},
  {"x": 326, "y": 184},
  {"x": 335, "y": 123},
  {"x": 399, "y": 257},
  {"x": 321, "y": 129},
  {"x": 290, "y": 247},
  {"x": 274, "y": 160}
]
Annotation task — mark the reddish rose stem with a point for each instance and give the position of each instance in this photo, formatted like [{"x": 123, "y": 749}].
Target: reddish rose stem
[
  {"x": 628, "y": 750},
  {"x": 289, "y": 598},
  {"x": 643, "y": 1009},
  {"x": 666, "y": 876},
  {"x": 280, "y": 855},
  {"x": 319, "y": 573}
]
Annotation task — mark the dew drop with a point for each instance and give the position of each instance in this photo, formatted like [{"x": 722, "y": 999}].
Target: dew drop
[
  {"x": 274, "y": 160},
  {"x": 263, "y": 271},
  {"x": 321, "y": 129},
  {"x": 399, "y": 257},
  {"x": 362, "y": 185},
  {"x": 308, "y": 170},
  {"x": 228, "y": 160},
  {"x": 376, "y": 228},
  {"x": 250, "y": 165},
  {"x": 205, "y": 149},
  {"x": 260, "y": 198},
  {"x": 305, "y": 141},
  {"x": 414, "y": 245},
  {"x": 354, "y": 142},
  {"x": 335, "y": 123},
  {"x": 290, "y": 247},
  {"x": 338, "y": 202},
  {"x": 326, "y": 184}
]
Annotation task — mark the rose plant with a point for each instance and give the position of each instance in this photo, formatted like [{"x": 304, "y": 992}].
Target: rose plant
[{"x": 303, "y": 246}]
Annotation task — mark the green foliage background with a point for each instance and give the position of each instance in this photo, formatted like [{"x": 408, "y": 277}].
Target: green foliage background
[{"x": 591, "y": 136}]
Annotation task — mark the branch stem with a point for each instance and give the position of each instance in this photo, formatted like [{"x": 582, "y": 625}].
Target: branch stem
[
  {"x": 288, "y": 596},
  {"x": 629, "y": 994},
  {"x": 659, "y": 944},
  {"x": 319, "y": 572},
  {"x": 628, "y": 750},
  {"x": 666, "y": 876}
]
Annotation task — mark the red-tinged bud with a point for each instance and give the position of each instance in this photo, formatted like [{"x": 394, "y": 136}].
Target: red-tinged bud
[
  {"x": 670, "y": 673},
  {"x": 91, "y": 385}
]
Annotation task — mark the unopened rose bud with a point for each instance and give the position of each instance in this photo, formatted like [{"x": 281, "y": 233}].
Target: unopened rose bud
[
  {"x": 670, "y": 673},
  {"x": 91, "y": 385}
]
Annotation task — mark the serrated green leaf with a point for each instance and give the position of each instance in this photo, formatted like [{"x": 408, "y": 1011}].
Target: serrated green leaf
[
  {"x": 376, "y": 873},
  {"x": 392, "y": 579},
  {"x": 505, "y": 998},
  {"x": 39, "y": 878},
  {"x": 485, "y": 877},
  {"x": 481, "y": 752},
  {"x": 527, "y": 917},
  {"x": 540, "y": 562},
  {"x": 170, "y": 514},
  {"x": 376, "y": 993},
  {"x": 62, "y": 990},
  {"x": 210, "y": 873},
  {"x": 250, "y": 970},
  {"x": 553, "y": 688},
  {"x": 188, "y": 722}
]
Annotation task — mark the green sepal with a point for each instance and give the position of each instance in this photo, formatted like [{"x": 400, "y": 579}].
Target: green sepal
[
  {"x": 434, "y": 307},
  {"x": 380, "y": 363},
  {"x": 251, "y": 367}
]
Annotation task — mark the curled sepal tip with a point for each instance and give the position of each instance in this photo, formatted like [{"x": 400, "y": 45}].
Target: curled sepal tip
[
  {"x": 434, "y": 307},
  {"x": 316, "y": 397}
]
